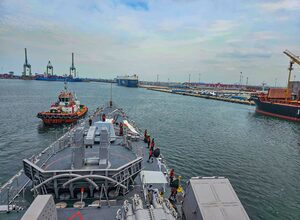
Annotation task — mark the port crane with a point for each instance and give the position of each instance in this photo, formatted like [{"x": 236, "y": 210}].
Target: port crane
[
  {"x": 294, "y": 59},
  {"x": 49, "y": 69},
  {"x": 72, "y": 68},
  {"x": 26, "y": 66}
]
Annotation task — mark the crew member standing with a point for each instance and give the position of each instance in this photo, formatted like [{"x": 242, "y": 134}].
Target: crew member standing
[
  {"x": 152, "y": 144},
  {"x": 148, "y": 141},
  {"x": 121, "y": 129},
  {"x": 150, "y": 156},
  {"x": 103, "y": 117},
  {"x": 175, "y": 185},
  {"x": 171, "y": 176},
  {"x": 90, "y": 121},
  {"x": 145, "y": 136}
]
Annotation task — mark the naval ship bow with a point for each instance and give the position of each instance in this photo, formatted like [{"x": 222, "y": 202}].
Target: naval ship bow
[{"x": 99, "y": 170}]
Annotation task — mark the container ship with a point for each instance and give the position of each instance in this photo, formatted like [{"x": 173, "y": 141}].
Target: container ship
[
  {"x": 66, "y": 110},
  {"x": 128, "y": 81},
  {"x": 281, "y": 102}
]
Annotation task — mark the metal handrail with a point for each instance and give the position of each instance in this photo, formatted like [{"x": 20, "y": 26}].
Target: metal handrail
[
  {"x": 94, "y": 176},
  {"x": 65, "y": 175}
]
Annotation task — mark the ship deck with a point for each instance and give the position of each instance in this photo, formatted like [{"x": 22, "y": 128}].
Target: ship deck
[
  {"x": 108, "y": 211},
  {"x": 118, "y": 156},
  {"x": 58, "y": 159}
]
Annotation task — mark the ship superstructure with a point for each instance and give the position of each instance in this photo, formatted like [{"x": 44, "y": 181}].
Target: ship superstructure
[{"x": 128, "y": 81}]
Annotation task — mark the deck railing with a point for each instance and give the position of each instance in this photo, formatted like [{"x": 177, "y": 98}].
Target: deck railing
[{"x": 13, "y": 188}]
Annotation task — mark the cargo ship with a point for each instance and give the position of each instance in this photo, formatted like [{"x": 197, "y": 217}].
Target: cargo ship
[
  {"x": 128, "y": 81},
  {"x": 280, "y": 102},
  {"x": 66, "y": 110},
  {"x": 58, "y": 78}
]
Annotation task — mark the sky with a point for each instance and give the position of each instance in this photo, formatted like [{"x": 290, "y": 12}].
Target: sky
[{"x": 211, "y": 40}]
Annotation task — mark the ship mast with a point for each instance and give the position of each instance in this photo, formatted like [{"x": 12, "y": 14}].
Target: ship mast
[
  {"x": 294, "y": 59},
  {"x": 110, "y": 102},
  {"x": 66, "y": 88}
]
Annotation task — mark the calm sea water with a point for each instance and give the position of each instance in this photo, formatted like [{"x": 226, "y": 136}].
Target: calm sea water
[{"x": 198, "y": 137}]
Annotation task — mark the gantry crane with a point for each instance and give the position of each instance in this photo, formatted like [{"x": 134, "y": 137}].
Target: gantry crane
[
  {"x": 72, "y": 68},
  {"x": 26, "y": 66},
  {"x": 49, "y": 69}
]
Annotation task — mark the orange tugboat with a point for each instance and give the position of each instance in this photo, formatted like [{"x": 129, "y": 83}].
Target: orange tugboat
[{"x": 67, "y": 109}]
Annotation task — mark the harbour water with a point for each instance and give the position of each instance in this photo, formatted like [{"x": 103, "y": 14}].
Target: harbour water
[{"x": 198, "y": 137}]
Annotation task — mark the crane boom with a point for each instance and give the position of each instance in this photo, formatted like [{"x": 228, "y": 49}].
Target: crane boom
[
  {"x": 72, "y": 60},
  {"x": 26, "y": 62},
  {"x": 293, "y": 57}
]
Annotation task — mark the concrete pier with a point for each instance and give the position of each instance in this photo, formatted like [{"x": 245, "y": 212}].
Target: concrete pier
[{"x": 168, "y": 90}]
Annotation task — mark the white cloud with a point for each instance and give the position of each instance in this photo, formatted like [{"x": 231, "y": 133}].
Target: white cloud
[
  {"x": 170, "y": 25},
  {"x": 266, "y": 35},
  {"x": 283, "y": 18},
  {"x": 171, "y": 39},
  {"x": 234, "y": 40},
  {"x": 281, "y": 5},
  {"x": 245, "y": 53},
  {"x": 221, "y": 26}
]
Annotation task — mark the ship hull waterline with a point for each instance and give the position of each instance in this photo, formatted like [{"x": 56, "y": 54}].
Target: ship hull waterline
[
  {"x": 127, "y": 83},
  {"x": 59, "y": 79},
  {"x": 56, "y": 119},
  {"x": 279, "y": 110}
]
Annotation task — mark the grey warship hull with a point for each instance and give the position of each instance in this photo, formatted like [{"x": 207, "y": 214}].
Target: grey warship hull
[
  {"x": 47, "y": 172},
  {"x": 98, "y": 172}
]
